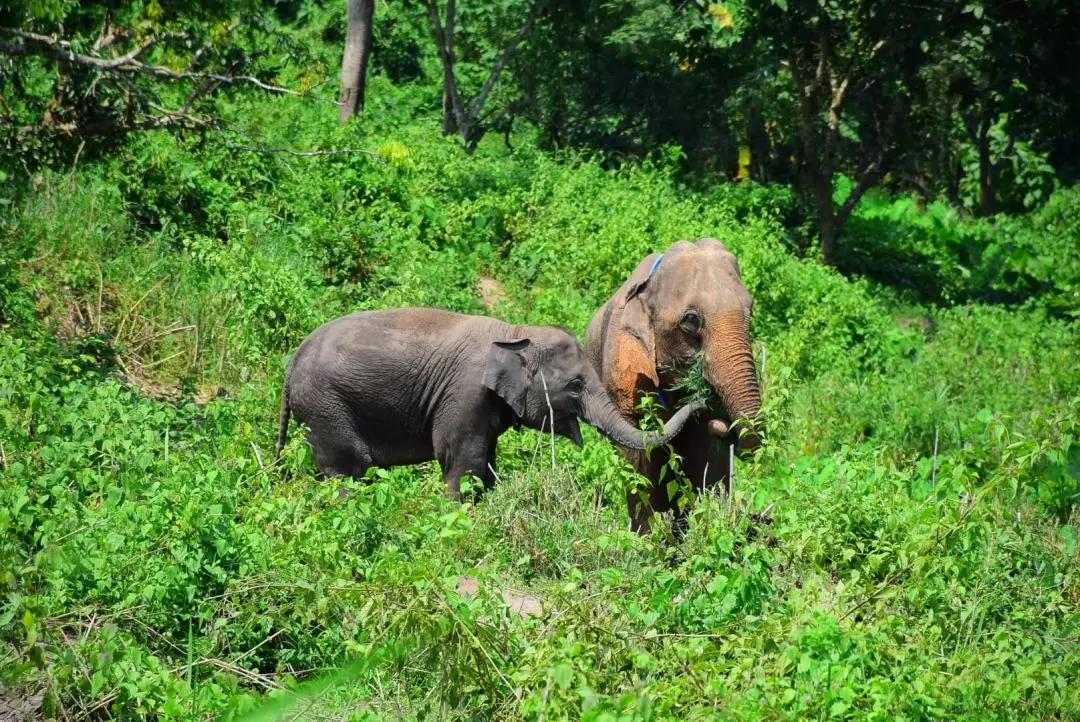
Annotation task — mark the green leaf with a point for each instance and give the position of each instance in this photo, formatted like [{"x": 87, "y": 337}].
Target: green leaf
[{"x": 563, "y": 675}]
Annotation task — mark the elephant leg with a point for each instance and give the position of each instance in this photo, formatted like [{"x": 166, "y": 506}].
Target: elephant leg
[
  {"x": 706, "y": 465},
  {"x": 705, "y": 458},
  {"x": 340, "y": 452},
  {"x": 652, "y": 496},
  {"x": 459, "y": 455}
]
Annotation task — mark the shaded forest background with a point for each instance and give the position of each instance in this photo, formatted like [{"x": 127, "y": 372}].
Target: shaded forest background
[{"x": 971, "y": 104}]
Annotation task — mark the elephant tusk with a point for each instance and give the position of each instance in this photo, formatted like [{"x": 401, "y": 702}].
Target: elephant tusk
[{"x": 718, "y": 428}]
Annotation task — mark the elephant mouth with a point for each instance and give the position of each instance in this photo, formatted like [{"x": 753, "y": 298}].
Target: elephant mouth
[
  {"x": 744, "y": 443},
  {"x": 719, "y": 428},
  {"x": 568, "y": 427}
]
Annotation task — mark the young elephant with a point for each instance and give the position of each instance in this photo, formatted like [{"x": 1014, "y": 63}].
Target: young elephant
[{"x": 403, "y": 386}]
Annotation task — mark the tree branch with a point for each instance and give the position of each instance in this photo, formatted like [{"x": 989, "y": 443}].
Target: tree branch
[
  {"x": 58, "y": 50},
  {"x": 447, "y": 60},
  {"x": 108, "y": 35},
  {"x": 481, "y": 97},
  {"x": 297, "y": 153}
]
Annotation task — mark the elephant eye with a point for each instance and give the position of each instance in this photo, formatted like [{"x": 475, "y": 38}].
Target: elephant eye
[
  {"x": 575, "y": 387},
  {"x": 691, "y": 322}
]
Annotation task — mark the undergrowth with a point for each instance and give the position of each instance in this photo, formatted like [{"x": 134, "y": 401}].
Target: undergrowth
[{"x": 904, "y": 546}]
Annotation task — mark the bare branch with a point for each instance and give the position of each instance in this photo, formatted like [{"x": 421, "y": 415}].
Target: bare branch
[
  {"x": 287, "y": 151},
  {"x": 58, "y": 50},
  {"x": 447, "y": 59},
  {"x": 109, "y": 33},
  {"x": 481, "y": 97}
]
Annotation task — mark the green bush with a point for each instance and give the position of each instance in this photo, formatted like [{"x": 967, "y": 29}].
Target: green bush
[{"x": 904, "y": 545}]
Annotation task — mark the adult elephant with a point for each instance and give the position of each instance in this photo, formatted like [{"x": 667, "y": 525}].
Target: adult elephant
[
  {"x": 403, "y": 386},
  {"x": 688, "y": 299}
]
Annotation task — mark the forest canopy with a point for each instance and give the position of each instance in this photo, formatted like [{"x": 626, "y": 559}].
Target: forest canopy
[{"x": 960, "y": 102}]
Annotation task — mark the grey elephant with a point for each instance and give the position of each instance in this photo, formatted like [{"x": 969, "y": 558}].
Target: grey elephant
[
  {"x": 686, "y": 300},
  {"x": 403, "y": 386}
]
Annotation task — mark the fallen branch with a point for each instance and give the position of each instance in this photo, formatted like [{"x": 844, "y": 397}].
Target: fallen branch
[
  {"x": 299, "y": 154},
  {"x": 118, "y": 126}
]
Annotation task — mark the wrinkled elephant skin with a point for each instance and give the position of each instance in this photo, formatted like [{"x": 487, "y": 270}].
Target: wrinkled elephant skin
[{"x": 404, "y": 386}]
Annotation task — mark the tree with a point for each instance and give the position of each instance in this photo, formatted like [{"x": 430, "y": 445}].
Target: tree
[
  {"x": 1005, "y": 91},
  {"x": 355, "y": 61},
  {"x": 626, "y": 76},
  {"x": 461, "y": 114},
  {"x": 87, "y": 71},
  {"x": 854, "y": 69}
]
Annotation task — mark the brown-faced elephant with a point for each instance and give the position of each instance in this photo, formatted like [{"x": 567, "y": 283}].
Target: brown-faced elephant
[
  {"x": 688, "y": 299},
  {"x": 403, "y": 386}
]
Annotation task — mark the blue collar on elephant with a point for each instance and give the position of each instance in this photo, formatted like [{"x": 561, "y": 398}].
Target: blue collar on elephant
[{"x": 656, "y": 264}]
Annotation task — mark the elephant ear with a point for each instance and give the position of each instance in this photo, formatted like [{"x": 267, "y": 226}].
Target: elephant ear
[
  {"x": 507, "y": 374},
  {"x": 632, "y": 342}
]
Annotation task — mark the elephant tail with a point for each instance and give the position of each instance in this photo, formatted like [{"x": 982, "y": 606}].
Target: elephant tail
[{"x": 283, "y": 420}]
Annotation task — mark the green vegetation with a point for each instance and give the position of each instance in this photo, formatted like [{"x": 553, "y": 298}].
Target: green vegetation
[{"x": 906, "y": 544}]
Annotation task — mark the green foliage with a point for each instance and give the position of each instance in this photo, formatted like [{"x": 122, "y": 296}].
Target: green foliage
[
  {"x": 936, "y": 255},
  {"x": 904, "y": 546}
]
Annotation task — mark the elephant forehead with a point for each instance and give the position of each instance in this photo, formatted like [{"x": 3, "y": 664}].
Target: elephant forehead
[
  {"x": 703, "y": 283},
  {"x": 563, "y": 348}
]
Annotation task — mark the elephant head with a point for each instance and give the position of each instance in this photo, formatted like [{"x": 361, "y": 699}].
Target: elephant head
[
  {"x": 547, "y": 375},
  {"x": 689, "y": 299}
]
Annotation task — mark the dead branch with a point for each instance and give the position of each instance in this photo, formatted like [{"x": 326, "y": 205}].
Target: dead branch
[
  {"x": 297, "y": 153},
  {"x": 56, "y": 49},
  {"x": 481, "y": 97}
]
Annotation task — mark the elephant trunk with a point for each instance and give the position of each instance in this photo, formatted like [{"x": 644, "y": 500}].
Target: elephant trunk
[
  {"x": 600, "y": 412},
  {"x": 729, "y": 368}
]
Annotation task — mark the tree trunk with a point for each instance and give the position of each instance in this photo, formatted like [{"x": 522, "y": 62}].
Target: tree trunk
[
  {"x": 818, "y": 173},
  {"x": 987, "y": 191},
  {"x": 459, "y": 116},
  {"x": 817, "y": 145},
  {"x": 827, "y": 229},
  {"x": 354, "y": 63},
  {"x": 758, "y": 142},
  {"x": 449, "y": 125}
]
